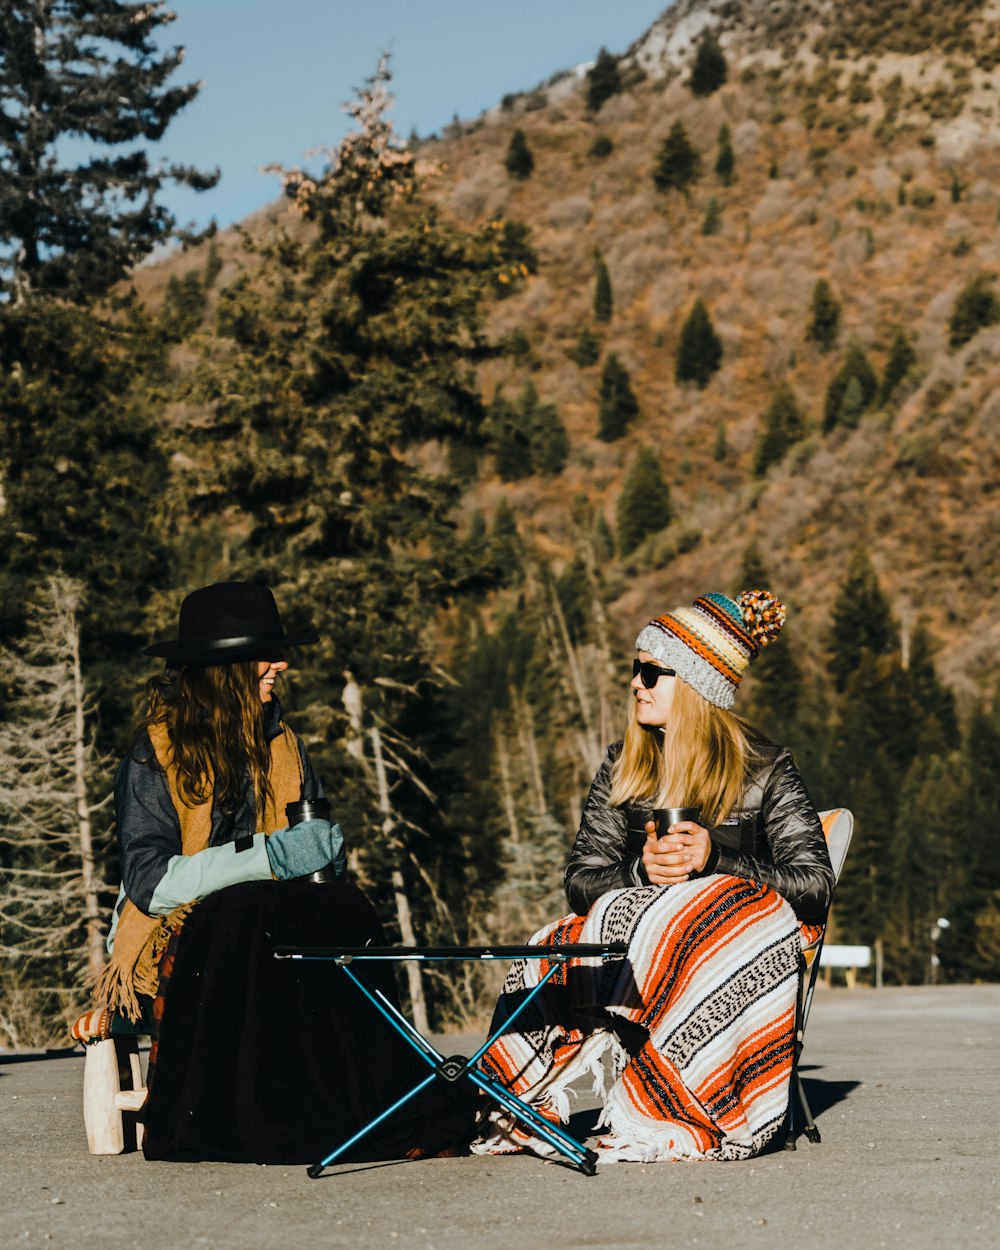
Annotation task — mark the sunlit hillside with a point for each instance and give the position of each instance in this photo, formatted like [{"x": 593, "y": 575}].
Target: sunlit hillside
[{"x": 865, "y": 152}]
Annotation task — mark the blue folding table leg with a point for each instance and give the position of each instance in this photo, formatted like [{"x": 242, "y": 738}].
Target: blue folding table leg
[{"x": 455, "y": 1068}]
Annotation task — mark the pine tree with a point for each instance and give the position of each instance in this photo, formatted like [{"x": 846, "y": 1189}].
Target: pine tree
[
  {"x": 712, "y": 220},
  {"x": 678, "y": 163},
  {"x": 775, "y": 683},
  {"x": 512, "y": 455},
  {"x": 852, "y": 405},
  {"x": 876, "y": 744},
  {"x": 603, "y": 80},
  {"x": 84, "y": 478},
  {"x": 347, "y": 358},
  {"x": 720, "y": 449},
  {"x": 824, "y": 316},
  {"x": 861, "y": 622},
  {"x": 901, "y": 360},
  {"x": 603, "y": 540},
  {"x": 925, "y": 833},
  {"x": 856, "y": 368},
  {"x": 603, "y": 302},
  {"x": 911, "y": 845},
  {"x": 753, "y": 571},
  {"x": 725, "y": 162},
  {"x": 976, "y": 306},
  {"x": 519, "y": 161},
  {"x": 618, "y": 405},
  {"x": 938, "y": 719},
  {"x": 505, "y": 543},
  {"x": 587, "y": 349},
  {"x": 528, "y": 436},
  {"x": 699, "y": 352},
  {"x": 546, "y": 432},
  {"x": 73, "y": 227},
  {"x": 781, "y": 426},
  {"x": 969, "y": 949},
  {"x": 862, "y": 771},
  {"x": 709, "y": 71},
  {"x": 644, "y": 503},
  {"x": 463, "y": 460},
  {"x": 213, "y": 265},
  {"x": 518, "y": 347},
  {"x": 183, "y": 305},
  {"x": 572, "y": 589}
]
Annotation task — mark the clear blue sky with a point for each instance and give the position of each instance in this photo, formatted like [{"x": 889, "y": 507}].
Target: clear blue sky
[{"x": 276, "y": 73}]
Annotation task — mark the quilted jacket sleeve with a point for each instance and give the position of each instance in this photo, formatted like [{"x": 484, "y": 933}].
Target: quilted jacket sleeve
[
  {"x": 799, "y": 868},
  {"x": 599, "y": 861}
]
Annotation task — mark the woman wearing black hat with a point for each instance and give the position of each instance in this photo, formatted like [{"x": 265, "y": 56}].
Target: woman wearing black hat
[{"x": 253, "y": 1060}]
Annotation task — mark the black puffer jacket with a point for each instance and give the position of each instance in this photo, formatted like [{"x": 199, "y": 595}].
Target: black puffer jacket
[{"x": 775, "y": 838}]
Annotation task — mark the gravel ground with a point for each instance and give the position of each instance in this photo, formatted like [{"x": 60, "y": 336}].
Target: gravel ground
[{"x": 903, "y": 1082}]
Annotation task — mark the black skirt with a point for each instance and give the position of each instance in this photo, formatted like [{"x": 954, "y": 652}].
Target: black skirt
[{"x": 278, "y": 1061}]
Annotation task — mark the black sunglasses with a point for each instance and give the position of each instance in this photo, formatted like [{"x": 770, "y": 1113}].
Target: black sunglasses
[{"x": 650, "y": 672}]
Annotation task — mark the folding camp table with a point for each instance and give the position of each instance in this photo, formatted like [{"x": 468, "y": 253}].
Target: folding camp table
[{"x": 459, "y": 1067}]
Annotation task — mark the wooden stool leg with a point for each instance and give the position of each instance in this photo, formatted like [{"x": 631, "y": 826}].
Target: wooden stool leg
[{"x": 112, "y": 1094}]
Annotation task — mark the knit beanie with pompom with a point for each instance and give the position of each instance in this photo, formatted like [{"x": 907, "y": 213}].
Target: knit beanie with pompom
[{"x": 709, "y": 644}]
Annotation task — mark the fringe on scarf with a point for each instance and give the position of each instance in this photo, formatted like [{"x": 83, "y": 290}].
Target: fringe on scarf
[{"x": 122, "y": 980}]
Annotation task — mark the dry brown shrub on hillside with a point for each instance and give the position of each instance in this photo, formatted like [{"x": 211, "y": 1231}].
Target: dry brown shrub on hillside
[
  {"x": 850, "y": 252},
  {"x": 771, "y": 287},
  {"x": 639, "y": 261},
  {"x": 486, "y": 193},
  {"x": 773, "y": 204},
  {"x": 780, "y": 347},
  {"x": 572, "y": 212}
]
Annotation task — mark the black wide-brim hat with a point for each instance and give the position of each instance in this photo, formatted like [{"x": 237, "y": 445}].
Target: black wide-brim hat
[{"x": 227, "y": 622}]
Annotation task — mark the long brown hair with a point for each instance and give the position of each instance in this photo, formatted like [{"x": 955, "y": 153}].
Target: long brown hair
[
  {"x": 700, "y": 759},
  {"x": 215, "y": 720}
]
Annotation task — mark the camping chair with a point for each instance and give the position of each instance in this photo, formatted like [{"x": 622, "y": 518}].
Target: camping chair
[{"x": 838, "y": 825}]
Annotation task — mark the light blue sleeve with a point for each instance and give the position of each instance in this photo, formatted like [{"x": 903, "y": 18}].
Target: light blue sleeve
[
  {"x": 110, "y": 940},
  {"x": 190, "y": 877}
]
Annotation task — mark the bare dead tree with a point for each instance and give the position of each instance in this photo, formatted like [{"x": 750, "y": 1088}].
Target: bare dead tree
[
  {"x": 535, "y": 853},
  {"x": 529, "y": 746},
  {"x": 376, "y": 770},
  {"x": 50, "y": 910}
]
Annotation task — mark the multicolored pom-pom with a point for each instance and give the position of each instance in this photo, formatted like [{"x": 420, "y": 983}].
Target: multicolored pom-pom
[{"x": 763, "y": 615}]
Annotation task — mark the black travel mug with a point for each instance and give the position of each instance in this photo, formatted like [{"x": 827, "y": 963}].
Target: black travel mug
[{"x": 311, "y": 809}]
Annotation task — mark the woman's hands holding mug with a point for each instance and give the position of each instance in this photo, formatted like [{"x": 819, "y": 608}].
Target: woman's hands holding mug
[{"x": 676, "y": 856}]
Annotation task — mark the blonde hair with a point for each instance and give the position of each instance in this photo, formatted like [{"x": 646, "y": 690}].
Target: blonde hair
[{"x": 700, "y": 759}]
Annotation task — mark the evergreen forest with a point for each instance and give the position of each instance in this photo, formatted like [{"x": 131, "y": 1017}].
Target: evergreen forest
[{"x": 713, "y": 315}]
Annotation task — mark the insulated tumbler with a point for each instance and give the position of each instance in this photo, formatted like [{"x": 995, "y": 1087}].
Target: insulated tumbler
[
  {"x": 311, "y": 809},
  {"x": 664, "y": 817}
]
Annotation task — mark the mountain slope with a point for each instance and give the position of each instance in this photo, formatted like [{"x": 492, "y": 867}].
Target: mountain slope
[
  {"x": 828, "y": 138},
  {"x": 865, "y": 147}
]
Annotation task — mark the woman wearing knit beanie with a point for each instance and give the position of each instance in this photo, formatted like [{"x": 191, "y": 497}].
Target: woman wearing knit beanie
[{"x": 699, "y": 1018}]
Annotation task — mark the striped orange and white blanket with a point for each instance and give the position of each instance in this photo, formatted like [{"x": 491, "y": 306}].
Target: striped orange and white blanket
[{"x": 710, "y": 981}]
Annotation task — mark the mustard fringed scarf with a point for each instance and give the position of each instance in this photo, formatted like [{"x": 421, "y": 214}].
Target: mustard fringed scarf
[{"x": 140, "y": 940}]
